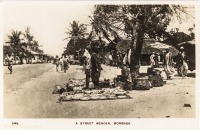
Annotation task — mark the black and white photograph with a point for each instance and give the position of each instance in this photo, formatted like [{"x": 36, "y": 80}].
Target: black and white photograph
[{"x": 99, "y": 61}]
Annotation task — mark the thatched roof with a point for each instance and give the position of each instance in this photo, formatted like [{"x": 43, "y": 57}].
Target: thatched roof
[
  {"x": 149, "y": 46},
  {"x": 187, "y": 42}
]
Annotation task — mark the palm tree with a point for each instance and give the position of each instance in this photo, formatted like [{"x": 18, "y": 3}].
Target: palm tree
[
  {"x": 77, "y": 30},
  {"x": 16, "y": 45}
]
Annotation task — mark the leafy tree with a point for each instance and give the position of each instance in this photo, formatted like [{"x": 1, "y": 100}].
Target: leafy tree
[{"x": 135, "y": 22}]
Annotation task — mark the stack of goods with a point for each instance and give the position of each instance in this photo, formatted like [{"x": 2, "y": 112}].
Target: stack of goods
[
  {"x": 119, "y": 81},
  {"x": 155, "y": 77},
  {"x": 106, "y": 83},
  {"x": 142, "y": 84},
  {"x": 104, "y": 94}
]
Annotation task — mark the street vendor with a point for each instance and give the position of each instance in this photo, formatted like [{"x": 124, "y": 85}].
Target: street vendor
[
  {"x": 87, "y": 66},
  {"x": 95, "y": 67}
]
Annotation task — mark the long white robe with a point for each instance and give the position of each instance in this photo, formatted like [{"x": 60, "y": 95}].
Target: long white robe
[{"x": 127, "y": 57}]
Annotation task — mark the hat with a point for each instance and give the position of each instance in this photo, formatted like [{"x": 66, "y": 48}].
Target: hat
[{"x": 181, "y": 48}]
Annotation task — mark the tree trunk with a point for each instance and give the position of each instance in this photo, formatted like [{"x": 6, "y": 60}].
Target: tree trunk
[{"x": 136, "y": 48}]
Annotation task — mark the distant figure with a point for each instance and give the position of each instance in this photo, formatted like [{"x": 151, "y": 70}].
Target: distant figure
[
  {"x": 152, "y": 59},
  {"x": 57, "y": 63},
  {"x": 10, "y": 60},
  {"x": 168, "y": 64},
  {"x": 157, "y": 58},
  {"x": 183, "y": 62},
  {"x": 65, "y": 63},
  {"x": 162, "y": 56},
  {"x": 61, "y": 63}
]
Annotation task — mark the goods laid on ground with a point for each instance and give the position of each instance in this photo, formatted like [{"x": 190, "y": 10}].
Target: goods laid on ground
[{"x": 91, "y": 95}]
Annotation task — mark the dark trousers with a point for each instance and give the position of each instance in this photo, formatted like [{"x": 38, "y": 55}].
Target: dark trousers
[
  {"x": 95, "y": 78},
  {"x": 65, "y": 67},
  {"x": 10, "y": 67}
]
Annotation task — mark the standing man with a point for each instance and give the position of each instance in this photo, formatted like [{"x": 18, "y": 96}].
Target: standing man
[
  {"x": 168, "y": 64},
  {"x": 10, "y": 60},
  {"x": 183, "y": 62},
  {"x": 87, "y": 66},
  {"x": 152, "y": 59},
  {"x": 57, "y": 62},
  {"x": 95, "y": 68},
  {"x": 61, "y": 63}
]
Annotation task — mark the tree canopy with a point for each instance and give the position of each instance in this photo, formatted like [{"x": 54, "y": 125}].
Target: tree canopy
[{"x": 134, "y": 22}]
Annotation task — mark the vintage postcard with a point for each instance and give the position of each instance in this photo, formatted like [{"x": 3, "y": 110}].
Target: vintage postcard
[{"x": 100, "y": 65}]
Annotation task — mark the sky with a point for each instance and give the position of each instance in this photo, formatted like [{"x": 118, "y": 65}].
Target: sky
[{"x": 48, "y": 21}]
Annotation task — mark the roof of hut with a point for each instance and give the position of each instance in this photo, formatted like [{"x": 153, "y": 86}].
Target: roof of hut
[{"x": 149, "y": 46}]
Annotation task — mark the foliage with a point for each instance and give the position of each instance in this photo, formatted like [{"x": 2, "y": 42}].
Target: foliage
[
  {"x": 177, "y": 37},
  {"x": 134, "y": 22}
]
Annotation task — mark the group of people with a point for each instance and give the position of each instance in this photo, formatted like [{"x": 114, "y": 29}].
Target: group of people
[
  {"x": 62, "y": 62},
  {"x": 168, "y": 62},
  {"x": 155, "y": 59}
]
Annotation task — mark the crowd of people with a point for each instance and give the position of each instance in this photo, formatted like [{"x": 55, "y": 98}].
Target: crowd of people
[
  {"x": 62, "y": 63},
  {"x": 168, "y": 62}
]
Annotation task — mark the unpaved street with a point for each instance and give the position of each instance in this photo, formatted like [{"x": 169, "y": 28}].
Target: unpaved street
[{"x": 28, "y": 94}]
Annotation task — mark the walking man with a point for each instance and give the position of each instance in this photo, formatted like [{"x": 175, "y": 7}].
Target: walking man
[
  {"x": 10, "y": 60},
  {"x": 183, "y": 62},
  {"x": 65, "y": 63},
  {"x": 57, "y": 63},
  {"x": 168, "y": 64}
]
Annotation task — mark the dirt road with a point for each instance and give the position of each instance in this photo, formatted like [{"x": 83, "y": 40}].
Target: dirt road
[{"x": 28, "y": 94}]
